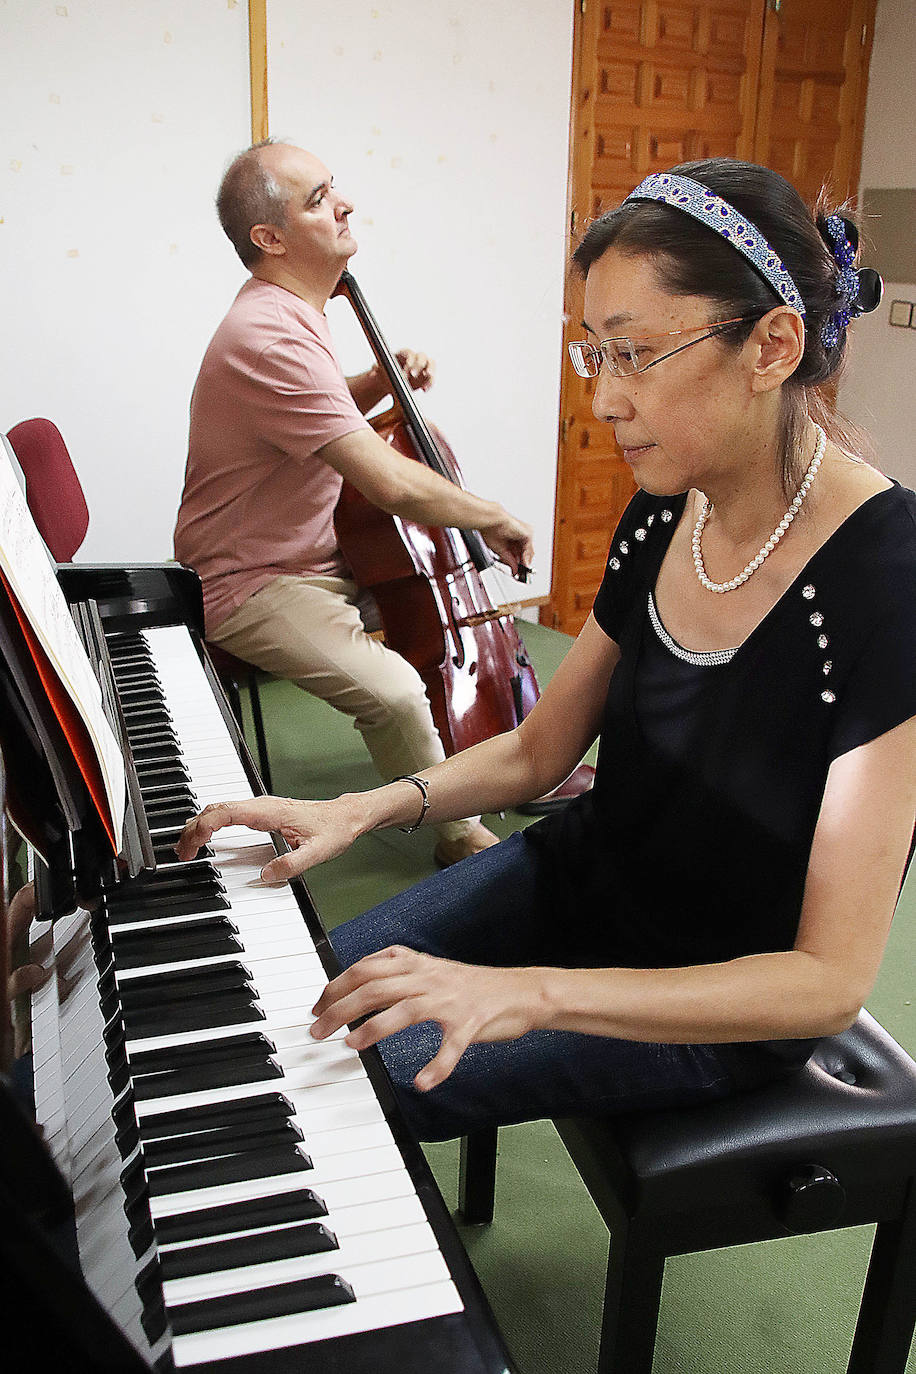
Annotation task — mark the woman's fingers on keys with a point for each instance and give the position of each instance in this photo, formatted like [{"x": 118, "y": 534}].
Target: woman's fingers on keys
[{"x": 217, "y": 816}]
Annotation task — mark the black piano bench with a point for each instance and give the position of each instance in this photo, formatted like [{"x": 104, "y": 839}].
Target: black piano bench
[
  {"x": 233, "y": 674},
  {"x": 832, "y": 1146}
]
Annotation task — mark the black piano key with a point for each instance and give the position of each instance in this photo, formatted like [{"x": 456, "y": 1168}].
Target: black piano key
[
  {"x": 216, "y": 1173},
  {"x": 165, "y": 883},
  {"x": 140, "y": 1236},
  {"x": 205, "y": 1076},
  {"x": 119, "y": 1077},
  {"x": 143, "y": 716},
  {"x": 165, "y": 908},
  {"x": 157, "y": 817},
  {"x": 279, "y": 1300},
  {"x": 113, "y": 1031},
  {"x": 116, "y": 1055},
  {"x": 161, "y": 781},
  {"x": 251, "y": 1044},
  {"x": 138, "y": 672},
  {"x": 153, "y": 989},
  {"x": 110, "y": 1005},
  {"x": 135, "y": 1186},
  {"x": 127, "y": 1138},
  {"x": 224, "y": 1009},
  {"x": 171, "y": 879},
  {"x": 153, "y": 751},
  {"x": 155, "y": 1324},
  {"x": 162, "y": 735},
  {"x": 122, "y": 1112},
  {"x": 207, "y": 947},
  {"x": 157, "y": 804},
  {"x": 175, "y": 930},
  {"x": 166, "y": 840},
  {"x": 235, "y": 1111},
  {"x": 208, "y": 1144},
  {"x": 154, "y": 1321},
  {"x": 308, "y": 1238},
  {"x": 250, "y": 1214},
  {"x": 150, "y": 940},
  {"x": 148, "y": 1284}
]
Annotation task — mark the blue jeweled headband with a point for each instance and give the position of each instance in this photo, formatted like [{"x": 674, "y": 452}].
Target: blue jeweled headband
[{"x": 683, "y": 193}]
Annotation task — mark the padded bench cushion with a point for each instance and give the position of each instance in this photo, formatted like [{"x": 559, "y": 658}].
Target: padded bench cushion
[{"x": 857, "y": 1093}]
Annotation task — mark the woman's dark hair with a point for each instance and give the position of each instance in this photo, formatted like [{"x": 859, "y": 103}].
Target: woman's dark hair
[{"x": 693, "y": 260}]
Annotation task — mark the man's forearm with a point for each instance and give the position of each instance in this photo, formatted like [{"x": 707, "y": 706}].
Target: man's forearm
[
  {"x": 368, "y": 388},
  {"x": 429, "y": 499}
]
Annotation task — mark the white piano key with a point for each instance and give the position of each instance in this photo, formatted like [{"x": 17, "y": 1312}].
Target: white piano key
[{"x": 370, "y": 1314}]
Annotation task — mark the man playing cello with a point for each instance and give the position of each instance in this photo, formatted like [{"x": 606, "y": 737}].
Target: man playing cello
[{"x": 275, "y": 428}]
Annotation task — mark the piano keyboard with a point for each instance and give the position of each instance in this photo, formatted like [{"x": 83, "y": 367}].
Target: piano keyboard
[{"x": 267, "y": 1203}]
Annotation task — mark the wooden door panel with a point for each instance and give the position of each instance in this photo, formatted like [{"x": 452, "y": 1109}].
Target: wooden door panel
[
  {"x": 656, "y": 82},
  {"x": 813, "y": 76}
]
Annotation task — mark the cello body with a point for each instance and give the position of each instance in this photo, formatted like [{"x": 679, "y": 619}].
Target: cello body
[{"x": 434, "y": 607}]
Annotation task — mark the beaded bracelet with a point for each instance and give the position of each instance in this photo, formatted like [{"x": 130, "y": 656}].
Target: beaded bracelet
[{"x": 423, "y": 785}]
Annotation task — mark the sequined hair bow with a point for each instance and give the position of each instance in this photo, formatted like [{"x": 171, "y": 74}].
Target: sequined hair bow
[{"x": 857, "y": 292}]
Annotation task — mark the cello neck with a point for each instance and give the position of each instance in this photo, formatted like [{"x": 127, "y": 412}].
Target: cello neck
[{"x": 425, "y": 444}]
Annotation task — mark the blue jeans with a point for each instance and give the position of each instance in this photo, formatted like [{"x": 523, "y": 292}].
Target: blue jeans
[{"x": 490, "y": 909}]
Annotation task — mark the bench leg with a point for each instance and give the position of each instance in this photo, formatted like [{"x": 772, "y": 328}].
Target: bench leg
[
  {"x": 631, "y": 1301},
  {"x": 888, "y": 1313},
  {"x": 477, "y": 1176}
]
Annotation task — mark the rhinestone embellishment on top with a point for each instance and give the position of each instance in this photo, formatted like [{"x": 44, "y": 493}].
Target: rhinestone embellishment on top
[
  {"x": 767, "y": 548},
  {"x": 710, "y": 658}
]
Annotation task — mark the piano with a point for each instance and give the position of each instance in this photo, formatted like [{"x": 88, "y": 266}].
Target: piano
[{"x": 245, "y": 1199}]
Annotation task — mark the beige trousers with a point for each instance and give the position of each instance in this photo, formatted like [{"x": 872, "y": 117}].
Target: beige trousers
[{"x": 308, "y": 629}]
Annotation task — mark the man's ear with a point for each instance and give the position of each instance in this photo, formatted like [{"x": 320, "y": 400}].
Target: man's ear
[
  {"x": 779, "y": 342},
  {"x": 267, "y": 238}
]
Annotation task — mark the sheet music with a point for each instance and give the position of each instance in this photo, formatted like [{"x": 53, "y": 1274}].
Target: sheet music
[{"x": 24, "y": 561}]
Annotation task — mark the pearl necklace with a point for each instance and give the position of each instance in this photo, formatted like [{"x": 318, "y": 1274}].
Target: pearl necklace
[{"x": 774, "y": 538}]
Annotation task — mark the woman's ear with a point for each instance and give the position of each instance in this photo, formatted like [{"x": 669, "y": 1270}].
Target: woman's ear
[{"x": 778, "y": 341}]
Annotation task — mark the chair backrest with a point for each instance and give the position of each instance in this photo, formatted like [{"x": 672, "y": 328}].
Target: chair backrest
[{"x": 52, "y": 488}]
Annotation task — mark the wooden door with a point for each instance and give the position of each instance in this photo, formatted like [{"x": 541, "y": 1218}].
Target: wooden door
[
  {"x": 813, "y": 80},
  {"x": 657, "y": 82}
]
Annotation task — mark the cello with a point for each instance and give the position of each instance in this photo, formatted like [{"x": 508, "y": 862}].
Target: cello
[{"x": 433, "y": 605}]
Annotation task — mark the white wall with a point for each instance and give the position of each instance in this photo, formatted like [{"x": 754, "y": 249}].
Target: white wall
[
  {"x": 116, "y": 119},
  {"x": 879, "y": 391},
  {"x": 446, "y": 122}
]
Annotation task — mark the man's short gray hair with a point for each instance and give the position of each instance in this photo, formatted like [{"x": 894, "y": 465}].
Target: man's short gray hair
[{"x": 249, "y": 194}]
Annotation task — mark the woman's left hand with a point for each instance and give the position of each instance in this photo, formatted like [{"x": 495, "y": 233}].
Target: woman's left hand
[{"x": 399, "y": 987}]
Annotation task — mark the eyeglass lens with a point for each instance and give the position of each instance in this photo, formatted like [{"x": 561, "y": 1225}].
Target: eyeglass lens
[{"x": 618, "y": 353}]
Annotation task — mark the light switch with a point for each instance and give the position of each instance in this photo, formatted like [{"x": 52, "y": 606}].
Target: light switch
[{"x": 901, "y": 313}]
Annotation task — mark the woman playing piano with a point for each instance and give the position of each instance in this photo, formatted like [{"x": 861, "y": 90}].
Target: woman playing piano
[{"x": 723, "y": 896}]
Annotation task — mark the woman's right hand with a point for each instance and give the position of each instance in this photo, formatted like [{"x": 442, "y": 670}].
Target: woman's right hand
[{"x": 314, "y": 831}]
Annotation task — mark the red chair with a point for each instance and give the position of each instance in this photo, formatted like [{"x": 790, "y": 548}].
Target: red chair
[
  {"x": 52, "y": 488},
  {"x": 58, "y": 506}
]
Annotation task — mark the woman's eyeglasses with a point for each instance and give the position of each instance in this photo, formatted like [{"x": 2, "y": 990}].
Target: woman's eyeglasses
[{"x": 625, "y": 357}]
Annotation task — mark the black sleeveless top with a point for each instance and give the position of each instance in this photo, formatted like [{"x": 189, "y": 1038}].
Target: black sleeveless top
[{"x": 693, "y": 845}]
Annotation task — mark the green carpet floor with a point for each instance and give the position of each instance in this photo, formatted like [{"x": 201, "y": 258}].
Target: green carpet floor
[{"x": 782, "y": 1307}]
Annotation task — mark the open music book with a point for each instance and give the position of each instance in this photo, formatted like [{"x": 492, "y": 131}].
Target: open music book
[{"x": 52, "y": 662}]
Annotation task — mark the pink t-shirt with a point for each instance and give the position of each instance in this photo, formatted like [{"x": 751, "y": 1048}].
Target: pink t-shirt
[{"x": 257, "y": 502}]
